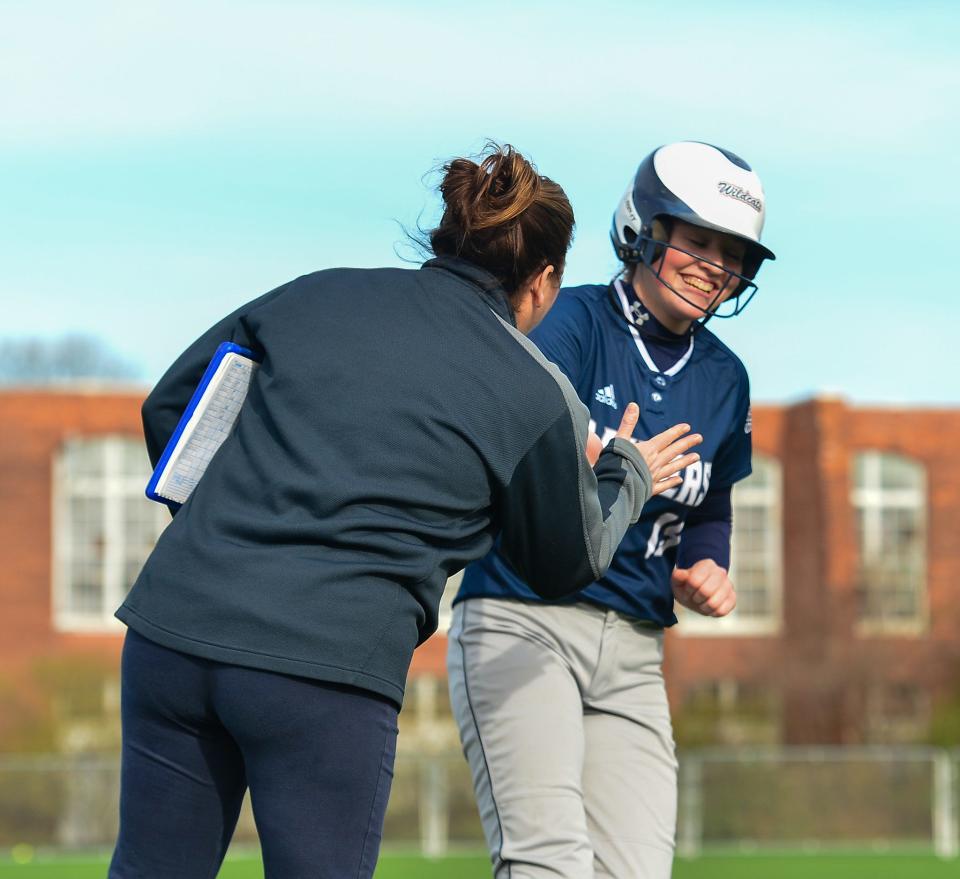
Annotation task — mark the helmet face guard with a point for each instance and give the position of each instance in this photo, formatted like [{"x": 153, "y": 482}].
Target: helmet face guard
[
  {"x": 651, "y": 252},
  {"x": 704, "y": 186}
]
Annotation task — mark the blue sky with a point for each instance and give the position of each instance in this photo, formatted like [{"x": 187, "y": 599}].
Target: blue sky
[{"x": 161, "y": 163}]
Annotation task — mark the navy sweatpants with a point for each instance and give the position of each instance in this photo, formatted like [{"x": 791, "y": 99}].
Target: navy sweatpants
[{"x": 318, "y": 759}]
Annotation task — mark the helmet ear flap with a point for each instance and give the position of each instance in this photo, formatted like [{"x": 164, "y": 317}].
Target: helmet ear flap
[
  {"x": 751, "y": 265},
  {"x": 659, "y": 232}
]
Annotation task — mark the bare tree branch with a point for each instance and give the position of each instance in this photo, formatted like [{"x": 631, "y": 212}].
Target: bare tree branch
[{"x": 45, "y": 360}]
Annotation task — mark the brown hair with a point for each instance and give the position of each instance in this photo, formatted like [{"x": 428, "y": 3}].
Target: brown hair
[{"x": 503, "y": 216}]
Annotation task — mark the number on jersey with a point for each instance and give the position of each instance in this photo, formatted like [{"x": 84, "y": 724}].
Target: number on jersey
[{"x": 665, "y": 533}]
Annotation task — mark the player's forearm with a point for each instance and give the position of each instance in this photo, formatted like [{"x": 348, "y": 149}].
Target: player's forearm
[
  {"x": 706, "y": 534},
  {"x": 708, "y": 539}
]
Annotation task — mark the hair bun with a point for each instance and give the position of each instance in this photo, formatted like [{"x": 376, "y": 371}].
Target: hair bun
[
  {"x": 502, "y": 215},
  {"x": 492, "y": 193},
  {"x": 507, "y": 185}
]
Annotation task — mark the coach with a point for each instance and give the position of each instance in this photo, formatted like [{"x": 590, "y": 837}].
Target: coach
[{"x": 399, "y": 421}]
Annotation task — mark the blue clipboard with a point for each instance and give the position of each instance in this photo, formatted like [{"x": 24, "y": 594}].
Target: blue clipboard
[{"x": 173, "y": 444}]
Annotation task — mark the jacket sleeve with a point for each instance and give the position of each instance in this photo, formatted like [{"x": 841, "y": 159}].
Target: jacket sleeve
[
  {"x": 163, "y": 407},
  {"x": 561, "y": 520}
]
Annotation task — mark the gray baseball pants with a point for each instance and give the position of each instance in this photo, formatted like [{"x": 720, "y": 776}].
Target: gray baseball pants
[{"x": 564, "y": 721}]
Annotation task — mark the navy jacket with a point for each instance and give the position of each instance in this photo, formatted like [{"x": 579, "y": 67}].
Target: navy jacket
[{"x": 398, "y": 423}]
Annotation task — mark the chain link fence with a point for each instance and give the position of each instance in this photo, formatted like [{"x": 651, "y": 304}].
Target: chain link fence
[
  {"x": 811, "y": 798},
  {"x": 746, "y": 798}
]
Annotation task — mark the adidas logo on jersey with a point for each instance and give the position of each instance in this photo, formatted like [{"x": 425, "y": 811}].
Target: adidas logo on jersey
[{"x": 606, "y": 395}]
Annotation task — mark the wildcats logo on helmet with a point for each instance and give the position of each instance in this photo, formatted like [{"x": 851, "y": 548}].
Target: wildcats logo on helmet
[{"x": 740, "y": 194}]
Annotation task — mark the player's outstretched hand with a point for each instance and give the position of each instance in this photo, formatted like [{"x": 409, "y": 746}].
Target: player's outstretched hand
[
  {"x": 663, "y": 453},
  {"x": 666, "y": 453},
  {"x": 704, "y": 588}
]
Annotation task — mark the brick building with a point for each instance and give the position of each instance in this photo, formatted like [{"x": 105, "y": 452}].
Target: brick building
[
  {"x": 73, "y": 532},
  {"x": 845, "y": 554}
]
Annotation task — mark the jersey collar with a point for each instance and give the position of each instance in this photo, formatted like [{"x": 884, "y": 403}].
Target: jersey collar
[
  {"x": 636, "y": 316},
  {"x": 490, "y": 288}
]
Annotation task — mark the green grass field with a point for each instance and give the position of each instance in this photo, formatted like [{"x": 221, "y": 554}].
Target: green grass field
[{"x": 476, "y": 867}]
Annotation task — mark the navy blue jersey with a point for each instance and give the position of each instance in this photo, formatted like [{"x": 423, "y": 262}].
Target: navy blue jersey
[{"x": 592, "y": 334}]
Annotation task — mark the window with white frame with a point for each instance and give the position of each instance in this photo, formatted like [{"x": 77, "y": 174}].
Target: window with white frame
[
  {"x": 755, "y": 556},
  {"x": 103, "y": 528},
  {"x": 889, "y": 498}
]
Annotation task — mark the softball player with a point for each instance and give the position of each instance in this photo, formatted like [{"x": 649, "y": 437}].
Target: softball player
[{"x": 561, "y": 706}]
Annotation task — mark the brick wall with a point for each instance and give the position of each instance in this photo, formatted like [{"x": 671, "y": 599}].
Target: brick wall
[
  {"x": 820, "y": 664},
  {"x": 817, "y": 663},
  {"x": 34, "y": 424},
  {"x": 33, "y": 427}
]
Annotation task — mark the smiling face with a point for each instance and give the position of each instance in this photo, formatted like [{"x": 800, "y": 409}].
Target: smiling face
[{"x": 698, "y": 279}]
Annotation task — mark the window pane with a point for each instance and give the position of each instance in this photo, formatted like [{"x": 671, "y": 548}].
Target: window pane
[
  {"x": 135, "y": 461},
  {"x": 764, "y": 473},
  {"x": 83, "y": 458},
  {"x": 901, "y": 530},
  {"x": 142, "y": 527},
  {"x": 752, "y": 599},
  {"x": 755, "y": 556},
  {"x": 88, "y": 549},
  {"x": 109, "y": 527},
  {"x": 898, "y": 472},
  {"x": 889, "y": 503}
]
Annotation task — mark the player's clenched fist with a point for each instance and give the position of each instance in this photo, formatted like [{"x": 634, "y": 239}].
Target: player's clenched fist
[{"x": 704, "y": 588}]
